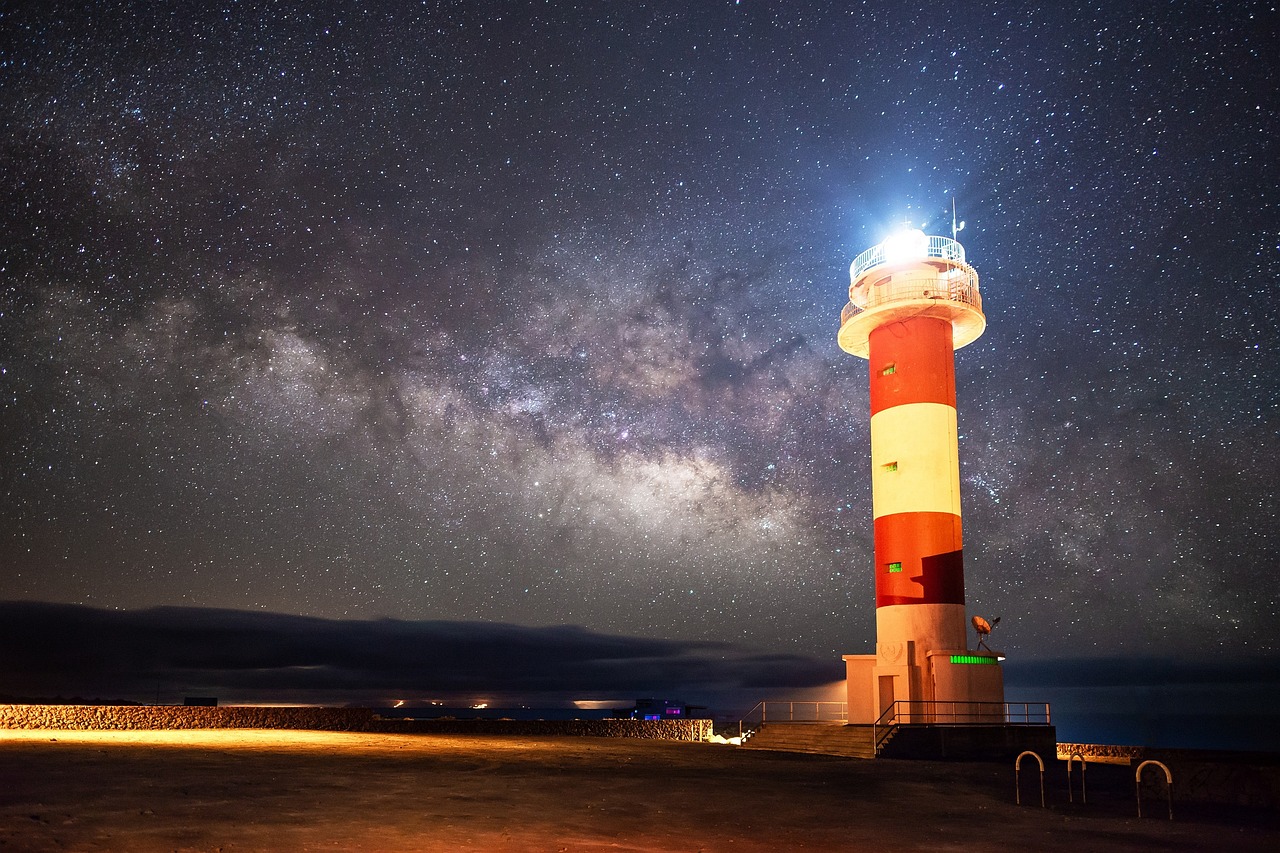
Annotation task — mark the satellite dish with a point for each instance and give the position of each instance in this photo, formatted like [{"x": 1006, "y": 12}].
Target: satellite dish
[{"x": 983, "y": 627}]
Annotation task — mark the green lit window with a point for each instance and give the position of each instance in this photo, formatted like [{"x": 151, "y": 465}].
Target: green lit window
[
  {"x": 890, "y": 466},
  {"x": 889, "y": 370},
  {"x": 894, "y": 568},
  {"x": 974, "y": 659}
]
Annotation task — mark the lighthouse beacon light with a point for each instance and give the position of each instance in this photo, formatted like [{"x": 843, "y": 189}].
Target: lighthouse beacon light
[{"x": 906, "y": 245}]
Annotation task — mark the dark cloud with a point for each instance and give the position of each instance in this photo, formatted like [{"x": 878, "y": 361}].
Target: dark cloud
[{"x": 71, "y": 650}]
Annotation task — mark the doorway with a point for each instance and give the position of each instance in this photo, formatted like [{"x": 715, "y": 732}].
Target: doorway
[{"x": 886, "y": 693}]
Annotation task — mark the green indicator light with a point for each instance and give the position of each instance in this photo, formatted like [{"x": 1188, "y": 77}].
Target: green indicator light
[
  {"x": 895, "y": 567},
  {"x": 974, "y": 659}
]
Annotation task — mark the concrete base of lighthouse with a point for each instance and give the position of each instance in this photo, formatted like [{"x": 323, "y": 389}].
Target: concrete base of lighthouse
[{"x": 952, "y": 686}]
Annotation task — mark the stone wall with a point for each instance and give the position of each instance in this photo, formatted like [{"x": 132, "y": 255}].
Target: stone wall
[
  {"x": 123, "y": 717},
  {"x": 1104, "y": 752},
  {"x": 126, "y": 717},
  {"x": 1201, "y": 776},
  {"x": 695, "y": 730},
  {"x": 968, "y": 742}
]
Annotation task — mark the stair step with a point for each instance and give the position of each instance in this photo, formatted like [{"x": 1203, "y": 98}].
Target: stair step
[{"x": 814, "y": 738}]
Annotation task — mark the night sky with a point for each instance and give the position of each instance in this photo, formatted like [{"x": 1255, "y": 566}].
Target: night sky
[{"x": 526, "y": 313}]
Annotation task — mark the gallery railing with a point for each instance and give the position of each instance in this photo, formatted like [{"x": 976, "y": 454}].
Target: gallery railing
[
  {"x": 961, "y": 287},
  {"x": 935, "y": 247}
]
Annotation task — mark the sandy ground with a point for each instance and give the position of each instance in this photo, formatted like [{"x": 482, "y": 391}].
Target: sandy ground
[{"x": 302, "y": 791}]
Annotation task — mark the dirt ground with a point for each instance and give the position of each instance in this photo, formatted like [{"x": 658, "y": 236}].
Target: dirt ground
[{"x": 304, "y": 791}]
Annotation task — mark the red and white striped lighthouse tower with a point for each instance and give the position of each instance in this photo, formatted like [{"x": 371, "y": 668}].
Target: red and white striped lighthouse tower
[{"x": 913, "y": 301}]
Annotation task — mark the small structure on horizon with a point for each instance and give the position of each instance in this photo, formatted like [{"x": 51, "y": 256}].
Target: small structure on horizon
[{"x": 667, "y": 709}]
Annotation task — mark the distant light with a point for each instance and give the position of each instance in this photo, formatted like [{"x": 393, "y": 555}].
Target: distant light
[
  {"x": 598, "y": 705},
  {"x": 909, "y": 245}
]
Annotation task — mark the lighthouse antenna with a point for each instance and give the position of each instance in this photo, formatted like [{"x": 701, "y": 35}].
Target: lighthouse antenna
[{"x": 956, "y": 227}]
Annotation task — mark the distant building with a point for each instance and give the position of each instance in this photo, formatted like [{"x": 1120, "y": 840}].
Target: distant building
[{"x": 667, "y": 709}]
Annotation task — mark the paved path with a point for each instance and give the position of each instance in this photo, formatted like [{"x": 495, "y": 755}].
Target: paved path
[{"x": 299, "y": 791}]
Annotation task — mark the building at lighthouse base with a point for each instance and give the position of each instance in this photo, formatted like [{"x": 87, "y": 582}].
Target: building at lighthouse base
[{"x": 906, "y": 684}]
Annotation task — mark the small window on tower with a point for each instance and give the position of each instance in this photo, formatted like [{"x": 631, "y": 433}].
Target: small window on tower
[
  {"x": 894, "y": 568},
  {"x": 889, "y": 370},
  {"x": 889, "y": 466}
]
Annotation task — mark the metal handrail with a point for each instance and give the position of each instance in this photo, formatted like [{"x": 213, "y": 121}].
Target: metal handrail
[
  {"x": 750, "y": 715},
  {"x": 947, "y": 712},
  {"x": 903, "y": 712},
  {"x": 1042, "y": 717},
  {"x": 938, "y": 247},
  {"x": 794, "y": 711},
  {"x": 918, "y": 288},
  {"x": 882, "y": 723}
]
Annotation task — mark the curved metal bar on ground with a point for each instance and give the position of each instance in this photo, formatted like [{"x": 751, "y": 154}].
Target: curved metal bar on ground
[
  {"x": 1084, "y": 797},
  {"x": 1017, "y": 776},
  {"x": 1168, "y": 779}
]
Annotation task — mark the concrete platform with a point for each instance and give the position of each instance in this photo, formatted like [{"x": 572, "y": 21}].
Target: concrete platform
[{"x": 970, "y": 743}]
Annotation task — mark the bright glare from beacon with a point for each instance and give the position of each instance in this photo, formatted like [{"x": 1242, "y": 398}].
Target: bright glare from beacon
[{"x": 906, "y": 245}]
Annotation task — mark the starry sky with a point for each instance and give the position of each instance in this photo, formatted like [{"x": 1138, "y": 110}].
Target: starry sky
[{"x": 524, "y": 314}]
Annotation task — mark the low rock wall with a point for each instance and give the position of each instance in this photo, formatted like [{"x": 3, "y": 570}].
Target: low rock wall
[
  {"x": 1100, "y": 752},
  {"x": 132, "y": 717},
  {"x": 694, "y": 730},
  {"x": 141, "y": 717},
  {"x": 1202, "y": 776}
]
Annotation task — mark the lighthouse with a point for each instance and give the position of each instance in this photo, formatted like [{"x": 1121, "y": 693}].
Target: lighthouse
[{"x": 913, "y": 301}]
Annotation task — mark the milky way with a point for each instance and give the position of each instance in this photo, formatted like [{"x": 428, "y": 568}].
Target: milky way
[{"x": 527, "y": 312}]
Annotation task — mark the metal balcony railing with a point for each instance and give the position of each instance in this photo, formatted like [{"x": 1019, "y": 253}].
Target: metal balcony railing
[
  {"x": 960, "y": 285},
  {"x": 938, "y": 247}
]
